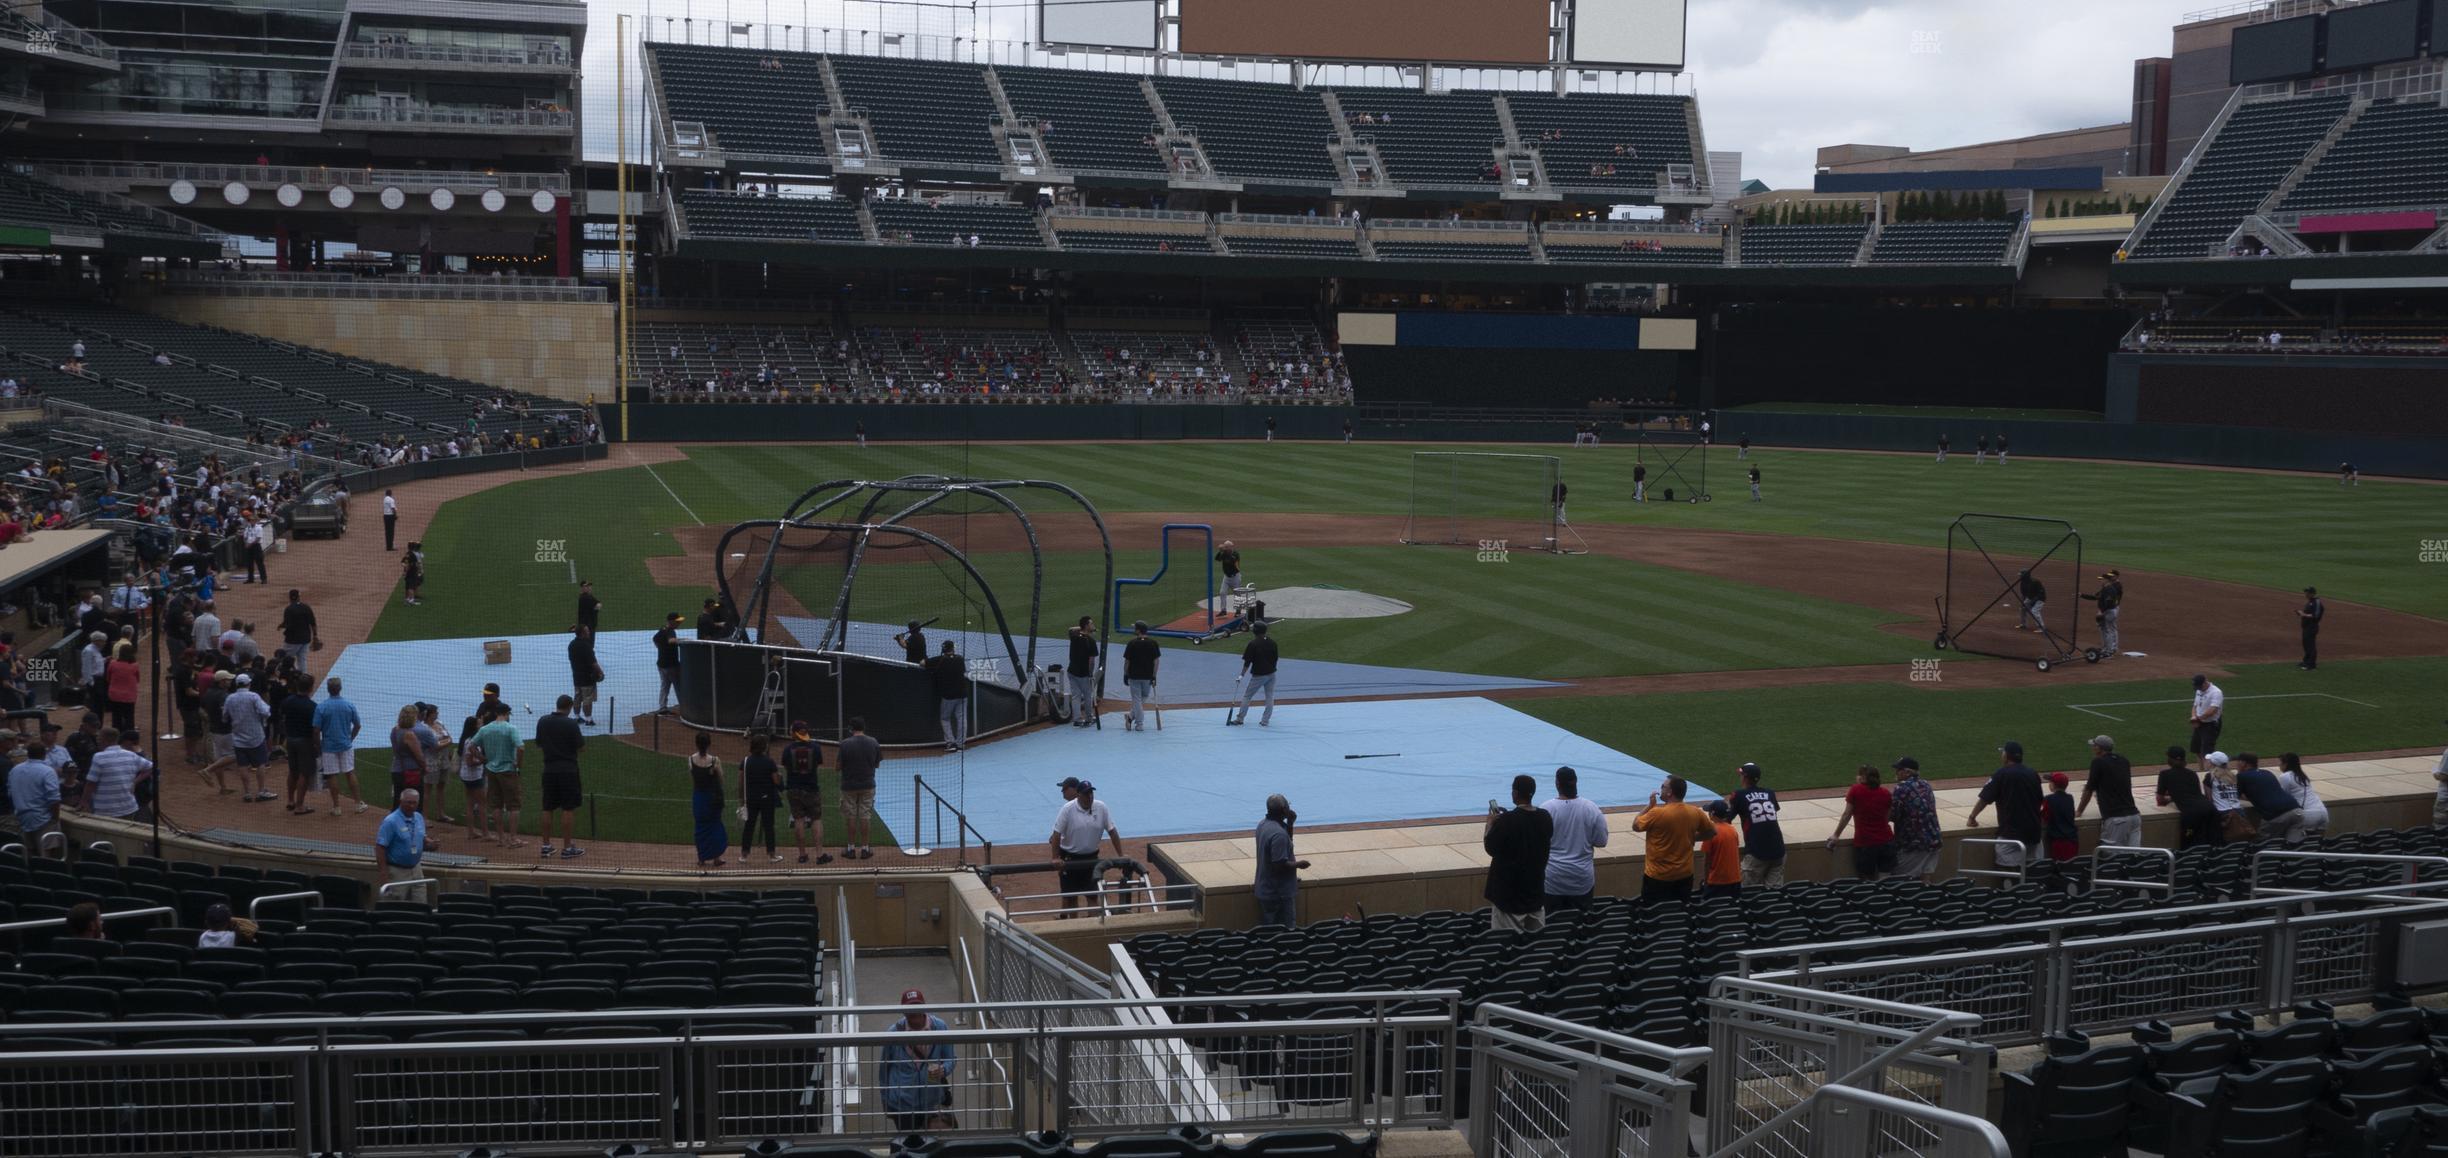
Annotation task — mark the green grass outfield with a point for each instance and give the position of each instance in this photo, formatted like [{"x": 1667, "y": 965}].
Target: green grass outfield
[
  {"x": 2281, "y": 531},
  {"x": 1815, "y": 736},
  {"x": 1968, "y": 413},
  {"x": 1545, "y": 617}
]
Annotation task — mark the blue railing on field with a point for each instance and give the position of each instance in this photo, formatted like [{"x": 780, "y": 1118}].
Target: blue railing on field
[{"x": 1164, "y": 563}]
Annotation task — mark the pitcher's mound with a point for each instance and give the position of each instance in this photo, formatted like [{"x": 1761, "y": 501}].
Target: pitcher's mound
[{"x": 1324, "y": 603}]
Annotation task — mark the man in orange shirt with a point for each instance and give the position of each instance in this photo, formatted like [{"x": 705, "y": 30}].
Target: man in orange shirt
[
  {"x": 1723, "y": 849},
  {"x": 1671, "y": 829}
]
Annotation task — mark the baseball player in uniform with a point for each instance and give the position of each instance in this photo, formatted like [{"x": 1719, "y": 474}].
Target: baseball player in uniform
[
  {"x": 2001, "y": 450},
  {"x": 2348, "y": 476},
  {"x": 1980, "y": 450},
  {"x": 1742, "y": 448},
  {"x": 2110, "y": 597},
  {"x": 1942, "y": 447},
  {"x": 1640, "y": 483},
  {"x": 1558, "y": 497},
  {"x": 1755, "y": 495},
  {"x": 2310, "y": 615},
  {"x": 1228, "y": 561},
  {"x": 2034, "y": 598}
]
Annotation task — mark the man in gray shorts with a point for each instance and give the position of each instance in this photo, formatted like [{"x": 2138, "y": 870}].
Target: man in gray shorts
[{"x": 2111, "y": 783}]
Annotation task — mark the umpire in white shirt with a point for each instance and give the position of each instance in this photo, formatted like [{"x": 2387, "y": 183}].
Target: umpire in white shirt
[{"x": 1081, "y": 825}]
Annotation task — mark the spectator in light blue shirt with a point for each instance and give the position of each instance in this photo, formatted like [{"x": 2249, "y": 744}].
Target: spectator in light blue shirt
[
  {"x": 399, "y": 843},
  {"x": 34, "y": 792},
  {"x": 336, "y": 722}
]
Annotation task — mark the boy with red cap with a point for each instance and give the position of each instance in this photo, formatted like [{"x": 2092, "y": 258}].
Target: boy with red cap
[{"x": 2057, "y": 818}]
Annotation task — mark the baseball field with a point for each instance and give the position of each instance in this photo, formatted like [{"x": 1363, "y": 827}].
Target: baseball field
[{"x": 1795, "y": 631}]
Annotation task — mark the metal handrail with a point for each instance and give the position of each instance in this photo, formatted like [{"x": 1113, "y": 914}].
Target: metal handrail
[
  {"x": 1679, "y": 1060},
  {"x": 451, "y": 115},
  {"x": 2167, "y": 887},
  {"x": 2392, "y": 893},
  {"x": 414, "y": 883},
  {"x": 1994, "y": 842},
  {"x": 308, "y": 176},
  {"x": 454, "y": 54},
  {"x": 62, "y": 922},
  {"x": 1981, "y": 1128},
  {"x": 256, "y": 906},
  {"x": 961, "y": 826}
]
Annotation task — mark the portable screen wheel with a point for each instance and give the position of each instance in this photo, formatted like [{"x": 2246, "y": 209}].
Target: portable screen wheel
[
  {"x": 1941, "y": 642},
  {"x": 2093, "y": 655},
  {"x": 2042, "y": 664}
]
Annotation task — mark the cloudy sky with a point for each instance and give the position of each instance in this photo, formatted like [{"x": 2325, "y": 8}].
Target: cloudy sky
[{"x": 1776, "y": 78}]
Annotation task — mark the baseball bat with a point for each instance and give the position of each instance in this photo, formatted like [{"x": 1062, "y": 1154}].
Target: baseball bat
[{"x": 1371, "y": 755}]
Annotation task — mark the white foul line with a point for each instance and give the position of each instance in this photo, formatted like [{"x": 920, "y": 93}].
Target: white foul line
[
  {"x": 2086, "y": 708},
  {"x": 675, "y": 495}
]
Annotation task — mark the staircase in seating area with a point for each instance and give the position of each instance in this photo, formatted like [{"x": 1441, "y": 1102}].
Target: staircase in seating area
[
  {"x": 2312, "y": 158},
  {"x": 1334, "y": 113},
  {"x": 1504, "y": 116},
  {"x": 1022, "y": 148},
  {"x": 867, "y": 225},
  {"x": 1046, "y": 231},
  {"x": 1155, "y": 100},
  {"x": 832, "y": 85},
  {"x": 1869, "y": 241}
]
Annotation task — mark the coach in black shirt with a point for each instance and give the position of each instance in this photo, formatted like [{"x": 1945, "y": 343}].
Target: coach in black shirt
[
  {"x": 2015, "y": 789},
  {"x": 713, "y": 623},
  {"x": 590, "y": 609},
  {"x": 1257, "y": 674},
  {"x": 913, "y": 643},
  {"x": 1516, "y": 844},
  {"x": 558, "y": 738},
  {"x": 950, "y": 675},
  {"x": 1082, "y": 671},
  {"x": 1139, "y": 659}
]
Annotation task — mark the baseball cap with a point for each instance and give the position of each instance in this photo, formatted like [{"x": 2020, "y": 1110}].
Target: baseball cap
[
  {"x": 913, "y": 625},
  {"x": 1068, "y": 782},
  {"x": 1903, "y": 762},
  {"x": 2057, "y": 780},
  {"x": 2219, "y": 758},
  {"x": 245, "y": 679},
  {"x": 799, "y": 728},
  {"x": 1719, "y": 810},
  {"x": 1749, "y": 770},
  {"x": 493, "y": 690},
  {"x": 1139, "y": 625},
  {"x": 1084, "y": 786},
  {"x": 2311, "y": 590},
  {"x": 913, "y": 997},
  {"x": 671, "y": 617},
  {"x": 2013, "y": 749},
  {"x": 50, "y": 725}
]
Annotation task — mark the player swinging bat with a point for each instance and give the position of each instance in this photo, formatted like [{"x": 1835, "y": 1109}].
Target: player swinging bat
[{"x": 913, "y": 641}]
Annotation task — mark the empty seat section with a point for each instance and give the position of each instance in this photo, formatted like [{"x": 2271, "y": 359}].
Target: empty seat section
[
  {"x": 748, "y": 106},
  {"x": 923, "y": 111},
  {"x": 1801, "y": 244},
  {"x": 1427, "y": 138},
  {"x": 1943, "y": 243},
  {"x": 2394, "y": 156},
  {"x": 1578, "y": 136},
  {"x": 1257, "y": 133},
  {"x": 1134, "y": 241},
  {"x": 1097, "y": 120},
  {"x": 954, "y": 223},
  {"x": 2235, "y": 172},
  {"x": 721, "y": 213}
]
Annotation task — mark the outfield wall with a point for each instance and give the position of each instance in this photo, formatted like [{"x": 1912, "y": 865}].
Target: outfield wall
[{"x": 2235, "y": 446}]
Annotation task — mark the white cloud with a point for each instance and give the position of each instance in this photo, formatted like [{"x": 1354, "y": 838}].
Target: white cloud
[{"x": 1777, "y": 79}]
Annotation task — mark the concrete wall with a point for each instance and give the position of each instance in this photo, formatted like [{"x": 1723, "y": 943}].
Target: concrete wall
[{"x": 561, "y": 349}]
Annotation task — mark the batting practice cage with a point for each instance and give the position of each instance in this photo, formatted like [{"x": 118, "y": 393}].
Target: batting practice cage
[
  {"x": 1490, "y": 501},
  {"x": 2013, "y": 590},
  {"x": 825, "y": 598}
]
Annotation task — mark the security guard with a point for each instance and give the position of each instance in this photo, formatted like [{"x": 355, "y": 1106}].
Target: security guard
[{"x": 2110, "y": 597}]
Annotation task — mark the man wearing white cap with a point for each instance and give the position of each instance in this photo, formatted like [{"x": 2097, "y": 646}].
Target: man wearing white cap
[
  {"x": 2219, "y": 784},
  {"x": 917, "y": 1077}
]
